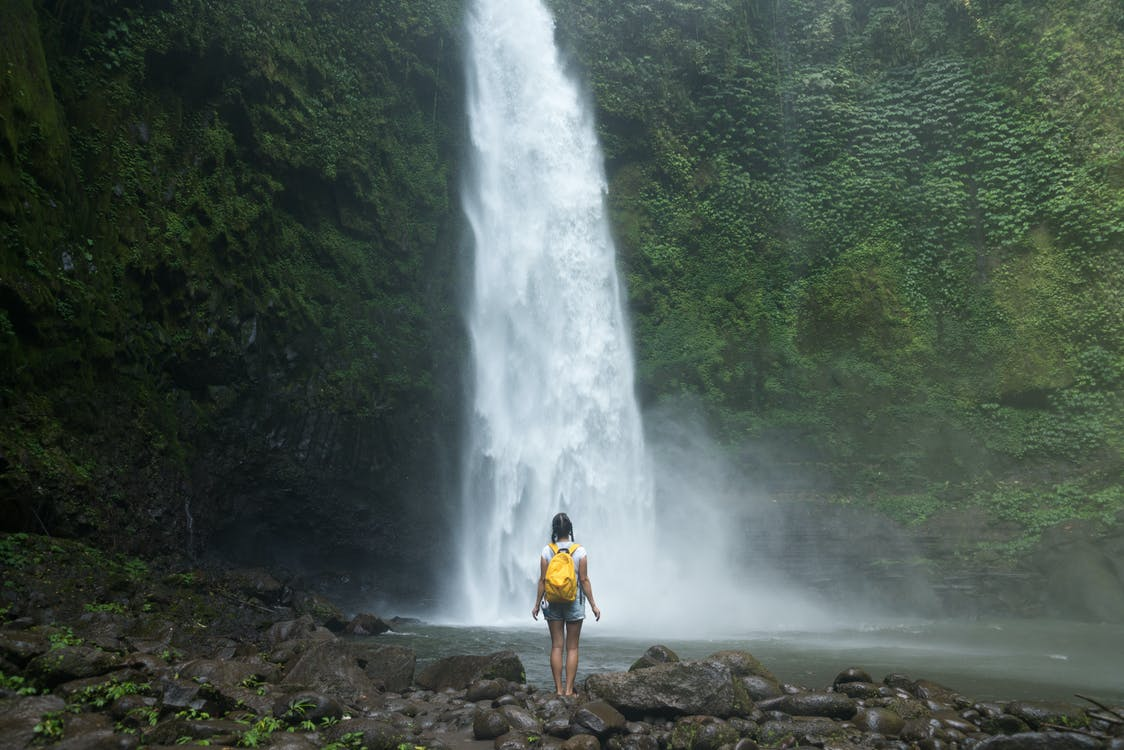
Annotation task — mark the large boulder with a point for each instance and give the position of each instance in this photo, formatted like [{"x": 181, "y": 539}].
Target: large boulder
[
  {"x": 742, "y": 664},
  {"x": 354, "y": 671},
  {"x": 829, "y": 705},
  {"x": 458, "y": 672},
  {"x": 682, "y": 688}
]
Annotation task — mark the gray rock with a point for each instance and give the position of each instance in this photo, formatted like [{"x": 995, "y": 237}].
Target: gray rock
[
  {"x": 168, "y": 732},
  {"x": 829, "y": 705},
  {"x": 18, "y": 717},
  {"x": 520, "y": 719},
  {"x": 353, "y": 671},
  {"x": 366, "y": 624},
  {"x": 485, "y": 690},
  {"x": 858, "y": 690},
  {"x": 68, "y": 663},
  {"x": 1037, "y": 713},
  {"x": 806, "y": 731},
  {"x": 701, "y": 733},
  {"x": 582, "y": 742},
  {"x": 879, "y": 720},
  {"x": 488, "y": 724},
  {"x": 654, "y": 655},
  {"x": 853, "y": 674},
  {"x": 741, "y": 664},
  {"x": 598, "y": 718},
  {"x": 760, "y": 688},
  {"x": 306, "y": 705},
  {"x": 1041, "y": 741},
  {"x": 682, "y": 688},
  {"x": 458, "y": 672}
]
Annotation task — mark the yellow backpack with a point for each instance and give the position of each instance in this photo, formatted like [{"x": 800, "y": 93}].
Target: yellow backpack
[{"x": 561, "y": 576}]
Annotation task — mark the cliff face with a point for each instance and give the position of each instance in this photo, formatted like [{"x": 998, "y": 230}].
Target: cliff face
[{"x": 228, "y": 275}]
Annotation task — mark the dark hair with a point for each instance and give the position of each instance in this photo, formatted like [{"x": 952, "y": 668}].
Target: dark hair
[{"x": 561, "y": 526}]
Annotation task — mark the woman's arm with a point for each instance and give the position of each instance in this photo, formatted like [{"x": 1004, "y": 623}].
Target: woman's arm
[
  {"x": 587, "y": 587},
  {"x": 541, "y": 587}
]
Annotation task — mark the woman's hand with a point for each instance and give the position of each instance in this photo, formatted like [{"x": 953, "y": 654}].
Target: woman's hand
[
  {"x": 596, "y": 612},
  {"x": 535, "y": 612}
]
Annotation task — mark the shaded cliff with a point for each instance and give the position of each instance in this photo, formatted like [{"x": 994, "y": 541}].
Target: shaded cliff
[{"x": 227, "y": 276}]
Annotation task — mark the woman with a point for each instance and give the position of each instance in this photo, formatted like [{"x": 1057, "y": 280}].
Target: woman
[{"x": 565, "y": 620}]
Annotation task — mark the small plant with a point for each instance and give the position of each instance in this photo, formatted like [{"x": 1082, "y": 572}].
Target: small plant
[
  {"x": 102, "y": 695},
  {"x": 63, "y": 638},
  {"x": 299, "y": 708},
  {"x": 50, "y": 726},
  {"x": 254, "y": 682},
  {"x": 113, "y": 607},
  {"x": 193, "y": 714},
  {"x": 258, "y": 734},
  {"x": 16, "y": 684},
  {"x": 349, "y": 741}
]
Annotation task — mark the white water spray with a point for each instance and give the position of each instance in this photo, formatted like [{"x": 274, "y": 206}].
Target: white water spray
[{"x": 555, "y": 423}]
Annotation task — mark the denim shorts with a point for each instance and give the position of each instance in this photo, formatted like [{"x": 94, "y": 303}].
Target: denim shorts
[{"x": 570, "y": 612}]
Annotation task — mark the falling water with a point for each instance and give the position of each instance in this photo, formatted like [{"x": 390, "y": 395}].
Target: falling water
[{"x": 555, "y": 424}]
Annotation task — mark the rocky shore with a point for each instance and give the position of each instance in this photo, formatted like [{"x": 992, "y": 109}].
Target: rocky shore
[{"x": 98, "y": 651}]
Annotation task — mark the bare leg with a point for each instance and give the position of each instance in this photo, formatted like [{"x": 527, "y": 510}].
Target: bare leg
[
  {"x": 556, "y": 640},
  {"x": 573, "y": 633}
]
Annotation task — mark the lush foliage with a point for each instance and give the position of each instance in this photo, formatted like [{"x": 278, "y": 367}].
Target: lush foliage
[
  {"x": 883, "y": 238},
  {"x": 221, "y": 245}
]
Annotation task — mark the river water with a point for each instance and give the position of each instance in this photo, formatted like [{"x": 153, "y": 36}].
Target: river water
[{"x": 987, "y": 659}]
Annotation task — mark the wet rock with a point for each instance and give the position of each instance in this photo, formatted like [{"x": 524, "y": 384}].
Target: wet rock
[
  {"x": 598, "y": 718},
  {"x": 683, "y": 688},
  {"x": 852, "y": 674},
  {"x": 376, "y": 734},
  {"x": 654, "y": 655},
  {"x": 306, "y": 705},
  {"x": 520, "y": 719},
  {"x": 169, "y": 732},
  {"x": 582, "y": 742},
  {"x": 182, "y": 695},
  {"x": 227, "y": 673},
  {"x": 1038, "y": 713},
  {"x": 1041, "y": 741},
  {"x": 810, "y": 731},
  {"x": 741, "y": 664},
  {"x": 859, "y": 690},
  {"x": 932, "y": 691},
  {"x": 258, "y": 584},
  {"x": 365, "y": 624},
  {"x": 290, "y": 630},
  {"x": 485, "y": 690},
  {"x": 830, "y": 705},
  {"x": 632, "y": 742},
  {"x": 18, "y": 717},
  {"x": 353, "y": 671},
  {"x": 515, "y": 741},
  {"x": 878, "y": 720},
  {"x": 21, "y": 646},
  {"x": 458, "y": 672},
  {"x": 488, "y": 724},
  {"x": 68, "y": 663},
  {"x": 701, "y": 733},
  {"x": 760, "y": 688}
]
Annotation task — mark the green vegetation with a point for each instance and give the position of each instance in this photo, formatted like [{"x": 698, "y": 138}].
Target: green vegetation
[{"x": 883, "y": 240}]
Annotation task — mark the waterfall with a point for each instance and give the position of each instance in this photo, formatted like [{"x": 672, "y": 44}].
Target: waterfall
[{"x": 555, "y": 424}]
